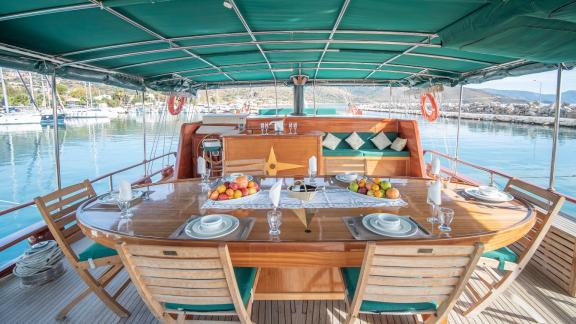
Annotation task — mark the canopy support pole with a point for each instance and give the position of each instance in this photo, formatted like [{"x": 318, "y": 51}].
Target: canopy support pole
[
  {"x": 314, "y": 98},
  {"x": 457, "y": 154},
  {"x": 55, "y": 130},
  {"x": 144, "y": 131},
  {"x": 4, "y": 94},
  {"x": 276, "y": 96},
  {"x": 390, "y": 103},
  {"x": 557, "y": 105}
]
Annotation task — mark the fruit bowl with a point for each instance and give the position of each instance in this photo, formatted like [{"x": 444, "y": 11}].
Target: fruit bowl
[
  {"x": 376, "y": 188},
  {"x": 238, "y": 190}
]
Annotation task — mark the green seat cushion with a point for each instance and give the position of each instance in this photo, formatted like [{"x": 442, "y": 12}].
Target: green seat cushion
[
  {"x": 366, "y": 136},
  {"x": 502, "y": 254},
  {"x": 384, "y": 152},
  {"x": 96, "y": 251},
  {"x": 341, "y": 152},
  {"x": 351, "y": 275},
  {"x": 245, "y": 278},
  {"x": 288, "y": 111}
]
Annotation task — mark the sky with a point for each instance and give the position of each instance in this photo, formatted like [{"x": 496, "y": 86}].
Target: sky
[{"x": 532, "y": 82}]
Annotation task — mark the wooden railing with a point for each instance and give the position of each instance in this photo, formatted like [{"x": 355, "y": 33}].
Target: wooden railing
[
  {"x": 490, "y": 172},
  {"x": 39, "y": 227}
]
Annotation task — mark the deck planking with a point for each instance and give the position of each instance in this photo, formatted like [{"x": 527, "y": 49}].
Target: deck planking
[{"x": 40, "y": 305}]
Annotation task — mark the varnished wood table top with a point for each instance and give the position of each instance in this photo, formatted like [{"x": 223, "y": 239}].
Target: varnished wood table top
[{"x": 323, "y": 238}]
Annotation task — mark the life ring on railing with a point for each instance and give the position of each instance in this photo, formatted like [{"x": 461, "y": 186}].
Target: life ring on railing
[
  {"x": 179, "y": 107},
  {"x": 430, "y": 115}
]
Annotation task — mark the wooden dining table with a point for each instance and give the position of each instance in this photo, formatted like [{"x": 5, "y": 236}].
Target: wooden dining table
[{"x": 303, "y": 261}]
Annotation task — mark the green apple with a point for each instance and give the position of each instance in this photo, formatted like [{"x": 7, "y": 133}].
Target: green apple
[
  {"x": 385, "y": 185},
  {"x": 370, "y": 193},
  {"x": 353, "y": 187}
]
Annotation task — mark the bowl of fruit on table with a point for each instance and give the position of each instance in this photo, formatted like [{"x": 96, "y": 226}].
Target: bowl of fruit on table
[
  {"x": 240, "y": 189},
  {"x": 375, "y": 187}
]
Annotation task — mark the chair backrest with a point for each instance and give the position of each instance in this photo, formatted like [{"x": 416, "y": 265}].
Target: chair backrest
[
  {"x": 336, "y": 166},
  {"x": 182, "y": 275},
  {"x": 415, "y": 274},
  {"x": 251, "y": 167},
  {"x": 546, "y": 205},
  {"x": 58, "y": 209}
]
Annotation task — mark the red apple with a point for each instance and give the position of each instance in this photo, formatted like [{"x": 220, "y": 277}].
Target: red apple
[
  {"x": 229, "y": 192},
  {"x": 233, "y": 186},
  {"x": 362, "y": 190},
  {"x": 223, "y": 197},
  {"x": 251, "y": 184},
  {"x": 227, "y": 184},
  {"x": 244, "y": 191}
]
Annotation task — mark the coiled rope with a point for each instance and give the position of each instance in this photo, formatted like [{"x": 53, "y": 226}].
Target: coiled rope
[{"x": 39, "y": 257}]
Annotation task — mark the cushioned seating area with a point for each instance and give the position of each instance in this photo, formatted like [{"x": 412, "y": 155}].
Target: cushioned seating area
[
  {"x": 245, "y": 278},
  {"x": 288, "y": 111},
  {"x": 96, "y": 251},
  {"x": 384, "y": 152},
  {"x": 502, "y": 254},
  {"x": 368, "y": 149},
  {"x": 341, "y": 152},
  {"x": 351, "y": 275}
]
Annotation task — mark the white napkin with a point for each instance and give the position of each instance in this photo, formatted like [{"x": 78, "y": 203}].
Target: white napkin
[
  {"x": 124, "y": 191},
  {"x": 435, "y": 168},
  {"x": 435, "y": 193},
  {"x": 275, "y": 192},
  {"x": 201, "y": 166},
  {"x": 312, "y": 164}
]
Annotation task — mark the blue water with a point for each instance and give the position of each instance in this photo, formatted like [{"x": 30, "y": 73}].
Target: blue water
[{"x": 90, "y": 148}]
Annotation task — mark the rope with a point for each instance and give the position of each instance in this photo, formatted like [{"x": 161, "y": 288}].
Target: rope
[{"x": 39, "y": 257}]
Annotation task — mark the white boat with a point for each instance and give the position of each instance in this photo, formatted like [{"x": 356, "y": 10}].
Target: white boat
[
  {"x": 90, "y": 113},
  {"x": 19, "y": 118}
]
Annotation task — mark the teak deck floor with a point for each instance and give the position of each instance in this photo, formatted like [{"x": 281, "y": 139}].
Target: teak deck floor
[{"x": 40, "y": 305}]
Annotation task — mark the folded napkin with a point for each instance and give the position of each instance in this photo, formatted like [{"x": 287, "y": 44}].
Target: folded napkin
[
  {"x": 435, "y": 193},
  {"x": 275, "y": 192},
  {"x": 124, "y": 191},
  {"x": 435, "y": 168},
  {"x": 201, "y": 166}
]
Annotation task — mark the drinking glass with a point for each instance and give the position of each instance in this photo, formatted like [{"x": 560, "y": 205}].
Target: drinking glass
[
  {"x": 274, "y": 221},
  {"x": 295, "y": 126},
  {"x": 434, "y": 218},
  {"x": 445, "y": 218},
  {"x": 124, "y": 206},
  {"x": 290, "y": 126},
  {"x": 446, "y": 181},
  {"x": 262, "y": 128}
]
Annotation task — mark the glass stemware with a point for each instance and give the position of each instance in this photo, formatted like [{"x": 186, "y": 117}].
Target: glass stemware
[
  {"x": 295, "y": 126},
  {"x": 433, "y": 219},
  {"x": 274, "y": 221},
  {"x": 124, "y": 206},
  {"x": 445, "y": 218},
  {"x": 206, "y": 179},
  {"x": 290, "y": 126}
]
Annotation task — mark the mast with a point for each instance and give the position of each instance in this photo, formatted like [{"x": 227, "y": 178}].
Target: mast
[
  {"x": 556, "y": 126},
  {"x": 4, "y": 94},
  {"x": 55, "y": 130},
  {"x": 90, "y": 94}
]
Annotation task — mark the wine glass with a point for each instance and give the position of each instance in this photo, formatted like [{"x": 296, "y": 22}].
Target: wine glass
[
  {"x": 124, "y": 206},
  {"x": 206, "y": 179},
  {"x": 274, "y": 221},
  {"x": 295, "y": 126},
  {"x": 290, "y": 126},
  {"x": 445, "y": 218},
  {"x": 434, "y": 218}
]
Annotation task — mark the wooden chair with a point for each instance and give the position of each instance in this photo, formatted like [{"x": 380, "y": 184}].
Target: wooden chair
[
  {"x": 255, "y": 167},
  {"x": 336, "y": 166},
  {"x": 59, "y": 212},
  {"x": 409, "y": 280},
  {"x": 512, "y": 260},
  {"x": 177, "y": 281}
]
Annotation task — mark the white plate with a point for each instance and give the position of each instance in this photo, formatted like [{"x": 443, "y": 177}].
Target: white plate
[
  {"x": 342, "y": 177},
  {"x": 375, "y": 198},
  {"x": 500, "y": 197},
  {"x": 240, "y": 200},
  {"x": 407, "y": 227},
  {"x": 230, "y": 178},
  {"x": 229, "y": 225},
  {"x": 111, "y": 198}
]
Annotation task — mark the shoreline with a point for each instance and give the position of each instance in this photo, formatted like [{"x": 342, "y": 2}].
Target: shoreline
[{"x": 531, "y": 120}]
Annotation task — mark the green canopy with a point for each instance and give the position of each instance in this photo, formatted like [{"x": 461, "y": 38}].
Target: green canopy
[{"x": 182, "y": 45}]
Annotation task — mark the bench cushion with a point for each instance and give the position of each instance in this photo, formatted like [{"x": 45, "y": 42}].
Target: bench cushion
[
  {"x": 384, "y": 152},
  {"x": 351, "y": 275},
  {"x": 341, "y": 152},
  {"x": 502, "y": 254},
  {"x": 245, "y": 278},
  {"x": 96, "y": 251}
]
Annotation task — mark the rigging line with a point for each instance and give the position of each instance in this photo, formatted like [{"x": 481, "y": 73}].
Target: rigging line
[{"x": 154, "y": 146}]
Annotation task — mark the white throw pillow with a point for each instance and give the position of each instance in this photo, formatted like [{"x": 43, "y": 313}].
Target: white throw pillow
[
  {"x": 381, "y": 141},
  {"x": 331, "y": 142},
  {"x": 399, "y": 144},
  {"x": 355, "y": 141}
]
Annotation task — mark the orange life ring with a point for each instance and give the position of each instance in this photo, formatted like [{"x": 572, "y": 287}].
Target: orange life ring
[
  {"x": 179, "y": 107},
  {"x": 430, "y": 115}
]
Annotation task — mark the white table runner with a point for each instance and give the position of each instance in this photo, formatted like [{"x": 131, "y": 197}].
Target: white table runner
[{"x": 330, "y": 198}]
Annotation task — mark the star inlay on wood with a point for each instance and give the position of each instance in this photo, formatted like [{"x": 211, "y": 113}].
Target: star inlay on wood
[{"x": 273, "y": 166}]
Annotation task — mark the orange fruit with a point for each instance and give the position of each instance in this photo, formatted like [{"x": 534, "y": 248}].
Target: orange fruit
[
  {"x": 229, "y": 192},
  {"x": 392, "y": 193},
  {"x": 378, "y": 194},
  {"x": 237, "y": 194},
  {"x": 362, "y": 183},
  {"x": 375, "y": 187}
]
